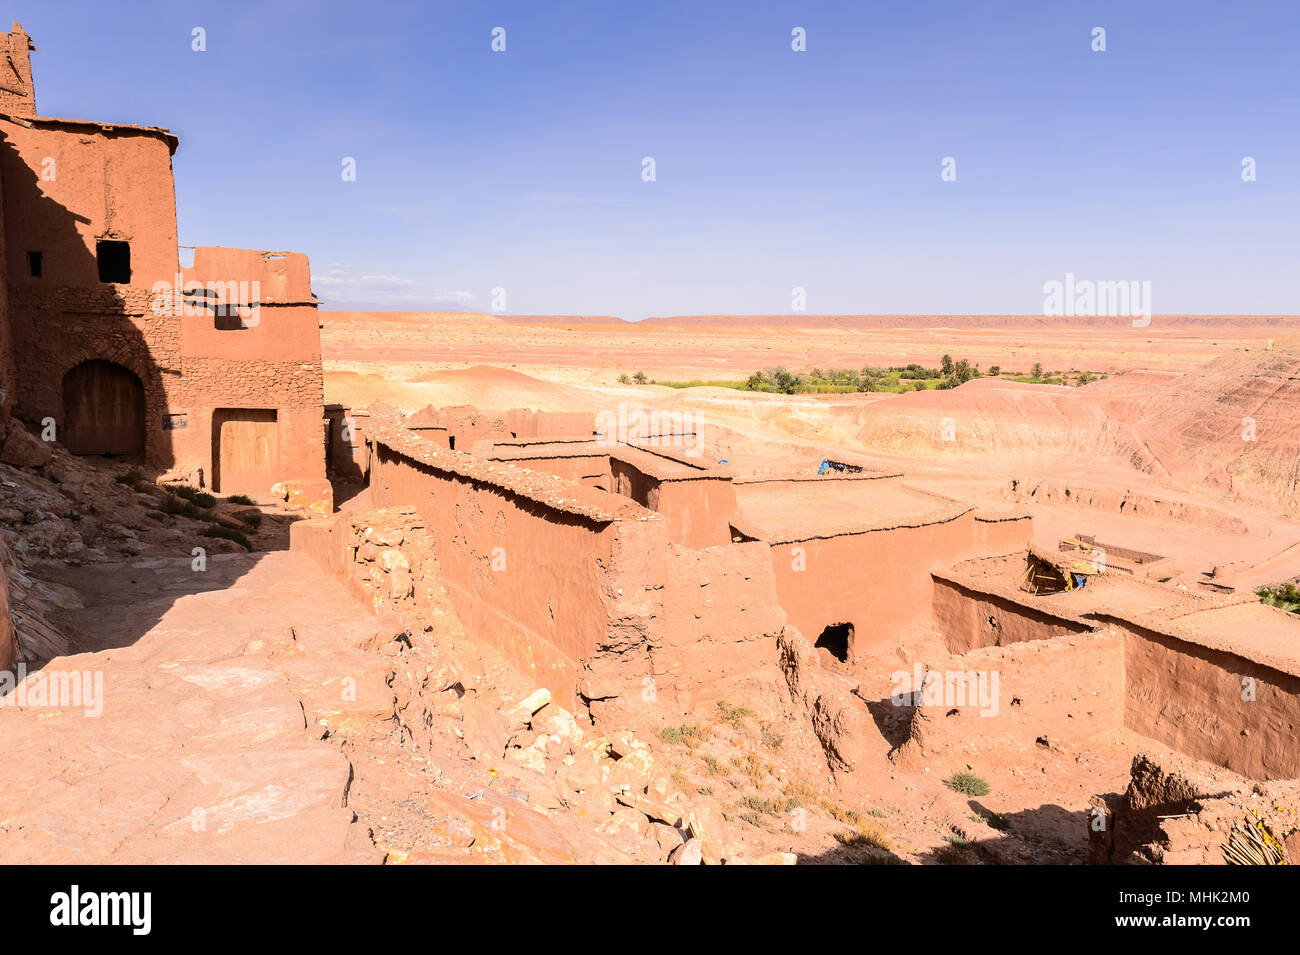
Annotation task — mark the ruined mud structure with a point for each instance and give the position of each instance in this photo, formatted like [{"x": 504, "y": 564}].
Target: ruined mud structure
[
  {"x": 632, "y": 580},
  {"x": 205, "y": 361}
]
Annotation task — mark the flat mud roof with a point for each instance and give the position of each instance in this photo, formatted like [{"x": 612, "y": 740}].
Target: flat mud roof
[{"x": 783, "y": 513}]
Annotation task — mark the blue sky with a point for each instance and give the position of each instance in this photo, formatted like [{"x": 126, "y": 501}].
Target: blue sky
[{"x": 774, "y": 169}]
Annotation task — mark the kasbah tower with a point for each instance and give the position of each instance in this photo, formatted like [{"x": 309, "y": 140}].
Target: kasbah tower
[{"x": 204, "y": 362}]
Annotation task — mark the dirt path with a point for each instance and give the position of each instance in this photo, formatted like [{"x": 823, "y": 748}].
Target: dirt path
[{"x": 183, "y": 735}]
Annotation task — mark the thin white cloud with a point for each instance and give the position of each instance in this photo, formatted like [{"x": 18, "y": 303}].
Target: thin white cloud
[{"x": 340, "y": 286}]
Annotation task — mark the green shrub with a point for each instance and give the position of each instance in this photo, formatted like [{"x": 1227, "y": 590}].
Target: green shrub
[
  {"x": 131, "y": 477},
  {"x": 1283, "y": 596},
  {"x": 968, "y": 784},
  {"x": 240, "y": 499}
]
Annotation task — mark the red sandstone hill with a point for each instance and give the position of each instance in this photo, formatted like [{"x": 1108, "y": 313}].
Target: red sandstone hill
[{"x": 1231, "y": 425}]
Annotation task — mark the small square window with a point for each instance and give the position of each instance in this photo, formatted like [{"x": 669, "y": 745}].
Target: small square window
[
  {"x": 34, "y": 264},
  {"x": 114, "y": 261}
]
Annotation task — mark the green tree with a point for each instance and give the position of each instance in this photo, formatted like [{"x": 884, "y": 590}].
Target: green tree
[{"x": 1037, "y": 372}]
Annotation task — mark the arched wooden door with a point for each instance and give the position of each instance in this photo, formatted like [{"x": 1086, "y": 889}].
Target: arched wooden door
[{"x": 103, "y": 409}]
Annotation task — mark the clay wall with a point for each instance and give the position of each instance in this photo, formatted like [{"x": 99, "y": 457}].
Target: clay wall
[
  {"x": 697, "y": 511},
  {"x": 56, "y": 329},
  {"x": 696, "y": 503},
  {"x": 970, "y": 616},
  {"x": 68, "y": 184},
  {"x": 283, "y": 278},
  {"x": 548, "y": 584},
  {"x": 720, "y": 620},
  {"x": 590, "y": 470},
  {"x": 1002, "y": 534},
  {"x": 345, "y": 442},
  {"x": 1068, "y": 689},
  {"x": 1197, "y": 699},
  {"x": 878, "y": 580},
  {"x": 525, "y": 423},
  {"x": 1187, "y": 690}
]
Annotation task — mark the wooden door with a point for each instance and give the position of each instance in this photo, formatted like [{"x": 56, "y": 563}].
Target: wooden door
[
  {"x": 245, "y": 456},
  {"x": 103, "y": 410}
]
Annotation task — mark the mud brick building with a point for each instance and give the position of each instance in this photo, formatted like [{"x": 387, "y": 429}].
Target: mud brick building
[{"x": 202, "y": 361}]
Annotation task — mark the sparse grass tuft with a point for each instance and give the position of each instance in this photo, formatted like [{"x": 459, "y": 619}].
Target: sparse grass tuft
[
  {"x": 872, "y": 836},
  {"x": 967, "y": 784},
  {"x": 753, "y": 767},
  {"x": 716, "y": 768},
  {"x": 686, "y": 733},
  {"x": 216, "y": 530},
  {"x": 241, "y": 499},
  {"x": 734, "y": 715},
  {"x": 683, "y": 784},
  {"x": 182, "y": 508},
  {"x": 131, "y": 477},
  {"x": 950, "y": 855},
  {"x": 771, "y": 807},
  {"x": 771, "y": 740}
]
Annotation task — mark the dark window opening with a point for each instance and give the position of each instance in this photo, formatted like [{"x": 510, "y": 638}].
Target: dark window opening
[
  {"x": 34, "y": 264},
  {"x": 451, "y": 442},
  {"x": 226, "y": 318},
  {"x": 114, "y": 261},
  {"x": 837, "y": 638}
]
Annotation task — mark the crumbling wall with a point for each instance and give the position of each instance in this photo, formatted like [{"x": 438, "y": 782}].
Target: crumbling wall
[
  {"x": 1178, "y": 813},
  {"x": 1009, "y": 699},
  {"x": 1209, "y": 703},
  {"x": 720, "y": 620},
  {"x": 562, "y": 579},
  {"x": 17, "y": 92}
]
